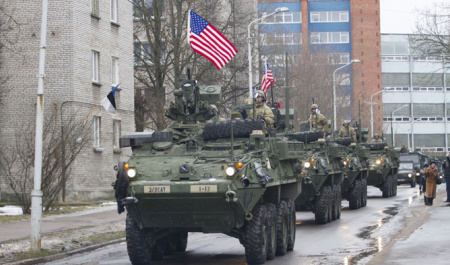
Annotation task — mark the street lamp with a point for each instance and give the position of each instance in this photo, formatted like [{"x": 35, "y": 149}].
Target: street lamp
[
  {"x": 250, "y": 83},
  {"x": 334, "y": 89},
  {"x": 392, "y": 123},
  {"x": 371, "y": 111}
]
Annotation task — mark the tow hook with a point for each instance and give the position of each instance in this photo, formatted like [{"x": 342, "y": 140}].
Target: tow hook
[{"x": 231, "y": 196}]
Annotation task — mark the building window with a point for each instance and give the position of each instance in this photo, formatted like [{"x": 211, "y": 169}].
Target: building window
[
  {"x": 97, "y": 124},
  {"x": 329, "y": 16},
  {"x": 94, "y": 7},
  {"x": 283, "y": 18},
  {"x": 114, "y": 11},
  {"x": 116, "y": 134},
  {"x": 329, "y": 37},
  {"x": 339, "y": 58},
  {"x": 281, "y": 38},
  {"x": 114, "y": 71},
  {"x": 95, "y": 60},
  {"x": 143, "y": 54}
]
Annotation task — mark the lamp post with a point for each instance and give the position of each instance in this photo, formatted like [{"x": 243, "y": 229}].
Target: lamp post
[
  {"x": 334, "y": 88},
  {"x": 250, "y": 81},
  {"x": 392, "y": 123},
  {"x": 371, "y": 111}
]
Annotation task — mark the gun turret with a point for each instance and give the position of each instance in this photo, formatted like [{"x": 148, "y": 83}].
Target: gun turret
[{"x": 192, "y": 102}]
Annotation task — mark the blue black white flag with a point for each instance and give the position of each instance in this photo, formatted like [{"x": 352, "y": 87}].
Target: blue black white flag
[{"x": 109, "y": 102}]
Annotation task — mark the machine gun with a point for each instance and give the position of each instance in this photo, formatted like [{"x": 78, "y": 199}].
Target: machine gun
[{"x": 192, "y": 102}]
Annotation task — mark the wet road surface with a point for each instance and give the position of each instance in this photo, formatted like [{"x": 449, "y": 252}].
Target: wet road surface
[{"x": 353, "y": 239}]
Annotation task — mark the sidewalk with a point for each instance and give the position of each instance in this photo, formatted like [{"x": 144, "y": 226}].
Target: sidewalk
[{"x": 421, "y": 242}]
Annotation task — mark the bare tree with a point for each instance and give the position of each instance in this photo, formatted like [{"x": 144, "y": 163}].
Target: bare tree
[
  {"x": 432, "y": 34},
  {"x": 162, "y": 54},
  {"x": 17, "y": 160}
]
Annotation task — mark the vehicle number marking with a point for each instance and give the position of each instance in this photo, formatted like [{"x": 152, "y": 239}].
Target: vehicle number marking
[
  {"x": 203, "y": 188},
  {"x": 156, "y": 189}
]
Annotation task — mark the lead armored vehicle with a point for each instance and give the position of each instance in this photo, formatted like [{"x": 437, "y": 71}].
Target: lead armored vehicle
[
  {"x": 222, "y": 177},
  {"x": 383, "y": 168}
]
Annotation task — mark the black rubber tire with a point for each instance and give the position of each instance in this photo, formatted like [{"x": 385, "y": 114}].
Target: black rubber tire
[
  {"x": 375, "y": 146},
  {"x": 171, "y": 244},
  {"x": 272, "y": 228},
  {"x": 256, "y": 236},
  {"x": 336, "y": 202},
  {"x": 307, "y": 137},
  {"x": 355, "y": 196},
  {"x": 339, "y": 195},
  {"x": 241, "y": 128},
  {"x": 329, "y": 192},
  {"x": 282, "y": 228},
  {"x": 322, "y": 207},
  {"x": 346, "y": 141},
  {"x": 159, "y": 249},
  {"x": 364, "y": 193},
  {"x": 139, "y": 251},
  {"x": 291, "y": 225},
  {"x": 387, "y": 187},
  {"x": 394, "y": 185},
  {"x": 182, "y": 240}
]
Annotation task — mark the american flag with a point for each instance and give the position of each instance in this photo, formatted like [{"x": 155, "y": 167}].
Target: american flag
[
  {"x": 207, "y": 41},
  {"x": 267, "y": 79}
]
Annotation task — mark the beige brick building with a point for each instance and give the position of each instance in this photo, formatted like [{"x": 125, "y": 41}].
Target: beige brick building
[{"x": 89, "y": 50}]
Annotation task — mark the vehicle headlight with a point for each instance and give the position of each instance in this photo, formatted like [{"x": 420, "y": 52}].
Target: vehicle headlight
[
  {"x": 307, "y": 165},
  {"x": 378, "y": 162},
  {"x": 417, "y": 173},
  {"x": 409, "y": 175},
  {"x": 230, "y": 171},
  {"x": 344, "y": 163},
  {"x": 131, "y": 173}
]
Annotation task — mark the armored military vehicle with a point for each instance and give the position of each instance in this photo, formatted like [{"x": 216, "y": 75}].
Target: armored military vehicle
[
  {"x": 322, "y": 177},
  {"x": 406, "y": 173},
  {"x": 383, "y": 168},
  {"x": 220, "y": 177},
  {"x": 418, "y": 160}
]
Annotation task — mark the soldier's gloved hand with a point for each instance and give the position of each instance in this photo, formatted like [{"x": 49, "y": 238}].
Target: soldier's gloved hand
[{"x": 261, "y": 118}]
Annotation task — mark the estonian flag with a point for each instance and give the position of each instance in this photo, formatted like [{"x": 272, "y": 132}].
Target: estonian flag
[{"x": 109, "y": 102}]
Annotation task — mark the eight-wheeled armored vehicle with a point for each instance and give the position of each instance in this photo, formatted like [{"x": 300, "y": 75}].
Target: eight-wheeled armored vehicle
[{"x": 226, "y": 177}]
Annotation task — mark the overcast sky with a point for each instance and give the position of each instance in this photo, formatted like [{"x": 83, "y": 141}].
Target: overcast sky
[{"x": 400, "y": 16}]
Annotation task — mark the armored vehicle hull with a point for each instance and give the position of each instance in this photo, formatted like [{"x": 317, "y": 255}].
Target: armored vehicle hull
[
  {"x": 383, "y": 167},
  {"x": 225, "y": 177}
]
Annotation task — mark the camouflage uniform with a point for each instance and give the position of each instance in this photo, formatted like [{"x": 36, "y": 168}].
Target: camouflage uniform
[
  {"x": 375, "y": 140},
  {"x": 261, "y": 109},
  {"x": 347, "y": 132},
  {"x": 318, "y": 122}
]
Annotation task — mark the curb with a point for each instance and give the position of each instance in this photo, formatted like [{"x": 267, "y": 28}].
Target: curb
[{"x": 66, "y": 254}]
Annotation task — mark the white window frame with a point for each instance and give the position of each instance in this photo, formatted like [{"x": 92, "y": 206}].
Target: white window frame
[
  {"x": 97, "y": 127},
  {"x": 114, "y": 71},
  {"x": 283, "y": 18},
  {"x": 95, "y": 56},
  {"x": 94, "y": 7},
  {"x": 343, "y": 58},
  {"x": 330, "y": 37},
  {"x": 116, "y": 134},
  {"x": 114, "y": 11},
  {"x": 315, "y": 16}
]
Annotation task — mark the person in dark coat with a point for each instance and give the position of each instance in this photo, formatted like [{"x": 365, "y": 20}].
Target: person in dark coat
[
  {"x": 431, "y": 173},
  {"x": 446, "y": 166}
]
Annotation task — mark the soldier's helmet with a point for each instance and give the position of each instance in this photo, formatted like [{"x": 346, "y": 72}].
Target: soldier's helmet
[
  {"x": 314, "y": 106},
  {"x": 345, "y": 122},
  {"x": 236, "y": 115},
  {"x": 376, "y": 135},
  {"x": 260, "y": 93}
]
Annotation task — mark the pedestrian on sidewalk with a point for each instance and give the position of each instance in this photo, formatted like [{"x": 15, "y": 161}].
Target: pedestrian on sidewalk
[
  {"x": 431, "y": 174},
  {"x": 446, "y": 166}
]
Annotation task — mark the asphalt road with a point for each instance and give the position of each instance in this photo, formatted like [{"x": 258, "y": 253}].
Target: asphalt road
[{"x": 354, "y": 239}]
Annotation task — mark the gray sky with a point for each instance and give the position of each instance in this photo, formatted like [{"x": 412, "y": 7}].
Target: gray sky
[{"x": 400, "y": 16}]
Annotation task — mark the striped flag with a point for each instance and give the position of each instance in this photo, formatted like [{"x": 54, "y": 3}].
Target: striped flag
[
  {"x": 207, "y": 41},
  {"x": 109, "y": 102},
  {"x": 267, "y": 79}
]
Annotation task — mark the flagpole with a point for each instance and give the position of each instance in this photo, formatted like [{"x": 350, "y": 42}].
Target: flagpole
[{"x": 188, "y": 26}]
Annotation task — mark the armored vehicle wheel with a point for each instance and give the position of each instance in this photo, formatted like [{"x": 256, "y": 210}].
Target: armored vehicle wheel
[
  {"x": 241, "y": 128},
  {"x": 394, "y": 185},
  {"x": 272, "y": 225},
  {"x": 159, "y": 249},
  {"x": 282, "y": 228},
  {"x": 355, "y": 196},
  {"x": 346, "y": 141},
  {"x": 322, "y": 206},
  {"x": 139, "y": 250},
  {"x": 171, "y": 244},
  {"x": 387, "y": 187},
  {"x": 336, "y": 204},
  {"x": 364, "y": 193},
  {"x": 256, "y": 236},
  {"x": 308, "y": 136},
  {"x": 329, "y": 192},
  {"x": 291, "y": 225},
  {"x": 182, "y": 240}
]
